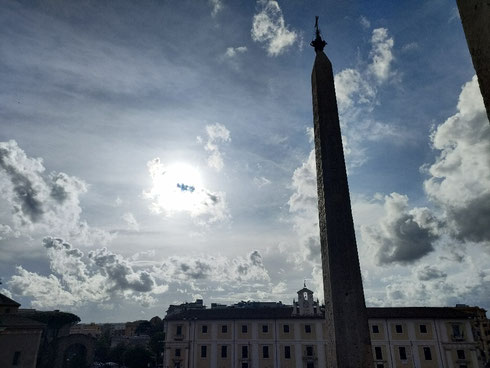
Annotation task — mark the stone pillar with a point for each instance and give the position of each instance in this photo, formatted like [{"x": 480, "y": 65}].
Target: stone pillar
[
  {"x": 348, "y": 340},
  {"x": 475, "y": 16}
]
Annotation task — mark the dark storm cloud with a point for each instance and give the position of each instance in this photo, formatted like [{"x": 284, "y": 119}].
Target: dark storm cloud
[
  {"x": 35, "y": 197},
  {"x": 471, "y": 222},
  {"x": 120, "y": 273},
  {"x": 26, "y": 184},
  {"x": 404, "y": 235},
  {"x": 430, "y": 273},
  {"x": 196, "y": 270}
]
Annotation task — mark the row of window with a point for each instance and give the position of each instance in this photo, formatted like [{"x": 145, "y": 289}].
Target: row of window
[
  {"x": 399, "y": 329},
  {"x": 245, "y": 351},
  {"x": 224, "y": 329},
  {"x": 402, "y": 353},
  {"x": 456, "y": 329}
]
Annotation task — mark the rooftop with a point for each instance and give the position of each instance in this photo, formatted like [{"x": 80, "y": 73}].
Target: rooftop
[
  {"x": 5, "y": 300},
  {"x": 285, "y": 312}
]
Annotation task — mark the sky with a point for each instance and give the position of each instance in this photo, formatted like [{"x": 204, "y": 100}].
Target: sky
[{"x": 155, "y": 152}]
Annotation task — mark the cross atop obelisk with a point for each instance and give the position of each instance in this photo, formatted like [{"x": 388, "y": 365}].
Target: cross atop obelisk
[{"x": 348, "y": 341}]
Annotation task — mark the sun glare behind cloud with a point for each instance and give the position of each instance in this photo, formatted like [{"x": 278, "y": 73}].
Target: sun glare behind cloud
[{"x": 175, "y": 187}]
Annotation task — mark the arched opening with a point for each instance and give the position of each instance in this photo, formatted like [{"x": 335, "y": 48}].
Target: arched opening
[{"x": 75, "y": 356}]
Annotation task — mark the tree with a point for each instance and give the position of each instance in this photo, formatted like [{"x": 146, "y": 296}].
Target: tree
[{"x": 137, "y": 357}]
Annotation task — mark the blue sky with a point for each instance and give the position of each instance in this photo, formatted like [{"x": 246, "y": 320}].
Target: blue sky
[{"x": 106, "y": 107}]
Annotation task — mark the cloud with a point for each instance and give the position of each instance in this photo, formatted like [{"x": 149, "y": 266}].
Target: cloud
[
  {"x": 216, "y": 133},
  {"x": 458, "y": 185},
  {"x": 7, "y": 232},
  {"x": 410, "y": 47},
  {"x": 403, "y": 235},
  {"x": 77, "y": 279},
  {"x": 428, "y": 272},
  {"x": 231, "y": 52},
  {"x": 303, "y": 205},
  {"x": 356, "y": 91},
  {"x": 172, "y": 191},
  {"x": 365, "y": 23},
  {"x": 216, "y": 6},
  {"x": 351, "y": 87},
  {"x": 269, "y": 28},
  {"x": 42, "y": 202},
  {"x": 381, "y": 54},
  {"x": 459, "y": 181},
  {"x": 131, "y": 222},
  {"x": 218, "y": 269},
  {"x": 231, "y": 56},
  {"x": 261, "y": 181}
]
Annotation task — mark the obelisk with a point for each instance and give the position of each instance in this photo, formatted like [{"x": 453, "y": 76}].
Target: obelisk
[{"x": 348, "y": 341}]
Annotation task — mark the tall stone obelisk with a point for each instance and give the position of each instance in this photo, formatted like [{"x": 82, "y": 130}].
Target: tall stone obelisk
[{"x": 348, "y": 341}]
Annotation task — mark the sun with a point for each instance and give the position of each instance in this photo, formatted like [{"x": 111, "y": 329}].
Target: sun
[{"x": 176, "y": 187}]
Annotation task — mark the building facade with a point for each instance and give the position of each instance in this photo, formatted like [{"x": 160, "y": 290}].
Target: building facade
[
  {"x": 274, "y": 335},
  {"x": 19, "y": 336}
]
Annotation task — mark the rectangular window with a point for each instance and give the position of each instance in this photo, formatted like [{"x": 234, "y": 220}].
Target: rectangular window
[
  {"x": 204, "y": 329},
  {"x": 265, "y": 328},
  {"x": 287, "y": 352},
  {"x": 308, "y": 328},
  {"x": 423, "y": 328},
  {"x": 204, "y": 351},
  {"x": 309, "y": 351},
  {"x": 177, "y": 352},
  {"x": 224, "y": 351},
  {"x": 375, "y": 329},
  {"x": 379, "y": 366},
  {"x": 427, "y": 354},
  {"x": 403, "y": 353},
  {"x": 378, "y": 353},
  {"x": 178, "y": 330},
  {"x": 285, "y": 328},
  {"x": 244, "y": 329},
  {"x": 16, "y": 359},
  {"x": 461, "y": 354},
  {"x": 398, "y": 328},
  {"x": 265, "y": 352},
  {"x": 456, "y": 331},
  {"x": 310, "y": 365},
  {"x": 244, "y": 365},
  {"x": 224, "y": 329},
  {"x": 244, "y": 352}
]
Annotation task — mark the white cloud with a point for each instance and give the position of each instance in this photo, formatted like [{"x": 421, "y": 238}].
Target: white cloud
[
  {"x": 356, "y": 91},
  {"x": 381, "y": 54},
  {"x": 351, "y": 87},
  {"x": 7, "y": 232},
  {"x": 218, "y": 269},
  {"x": 365, "y": 23},
  {"x": 130, "y": 221},
  {"x": 261, "y": 181},
  {"x": 303, "y": 205},
  {"x": 42, "y": 202},
  {"x": 216, "y": 6},
  {"x": 231, "y": 52},
  {"x": 231, "y": 56},
  {"x": 216, "y": 133},
  {"x": 269, "y": 28},
  {"x": 77, "y": 279},
  {"x": 410, "y": 47},
  {"x": 459, "y": 186},
  {"x": 459, "y": 180}
]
